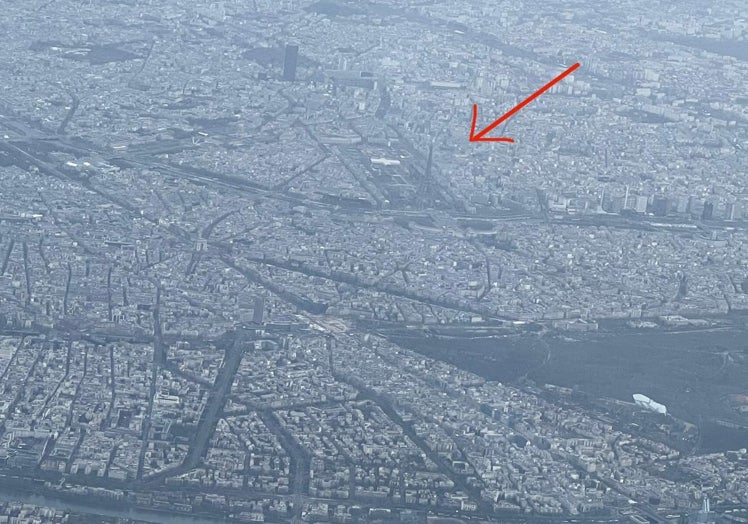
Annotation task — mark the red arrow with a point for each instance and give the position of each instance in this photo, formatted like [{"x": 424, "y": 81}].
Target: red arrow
[{"x": 481, "y": 137}]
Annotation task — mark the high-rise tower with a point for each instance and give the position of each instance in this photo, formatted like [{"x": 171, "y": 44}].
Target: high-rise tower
[{"x": 290, "y": 59}]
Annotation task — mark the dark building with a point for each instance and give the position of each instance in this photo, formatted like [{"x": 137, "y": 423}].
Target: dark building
[
  {"x": 682, "y": 286},
  {"x": 290, "y": 59},
  {"x": 660, "y": 206},
  {"x": 708, "y": 212},
  {"x": 258, "y": 310}
]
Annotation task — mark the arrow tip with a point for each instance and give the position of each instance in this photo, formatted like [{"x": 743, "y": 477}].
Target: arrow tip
[
  {"x": 472, "y": 126},
  {"x": 481, "y": 137}
]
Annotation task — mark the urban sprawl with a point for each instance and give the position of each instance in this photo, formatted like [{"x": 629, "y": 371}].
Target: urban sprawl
[{"x": 212, "y": 214}]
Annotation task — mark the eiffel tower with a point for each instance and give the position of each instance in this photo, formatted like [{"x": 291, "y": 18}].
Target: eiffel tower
[{"x": 427, "y": 194}]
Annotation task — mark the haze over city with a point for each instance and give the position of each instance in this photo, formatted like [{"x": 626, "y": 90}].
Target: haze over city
[{"x": 353, "y": 261}]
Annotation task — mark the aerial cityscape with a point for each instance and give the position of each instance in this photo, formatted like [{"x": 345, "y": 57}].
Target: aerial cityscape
[{"x": 260, "y": 263}]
